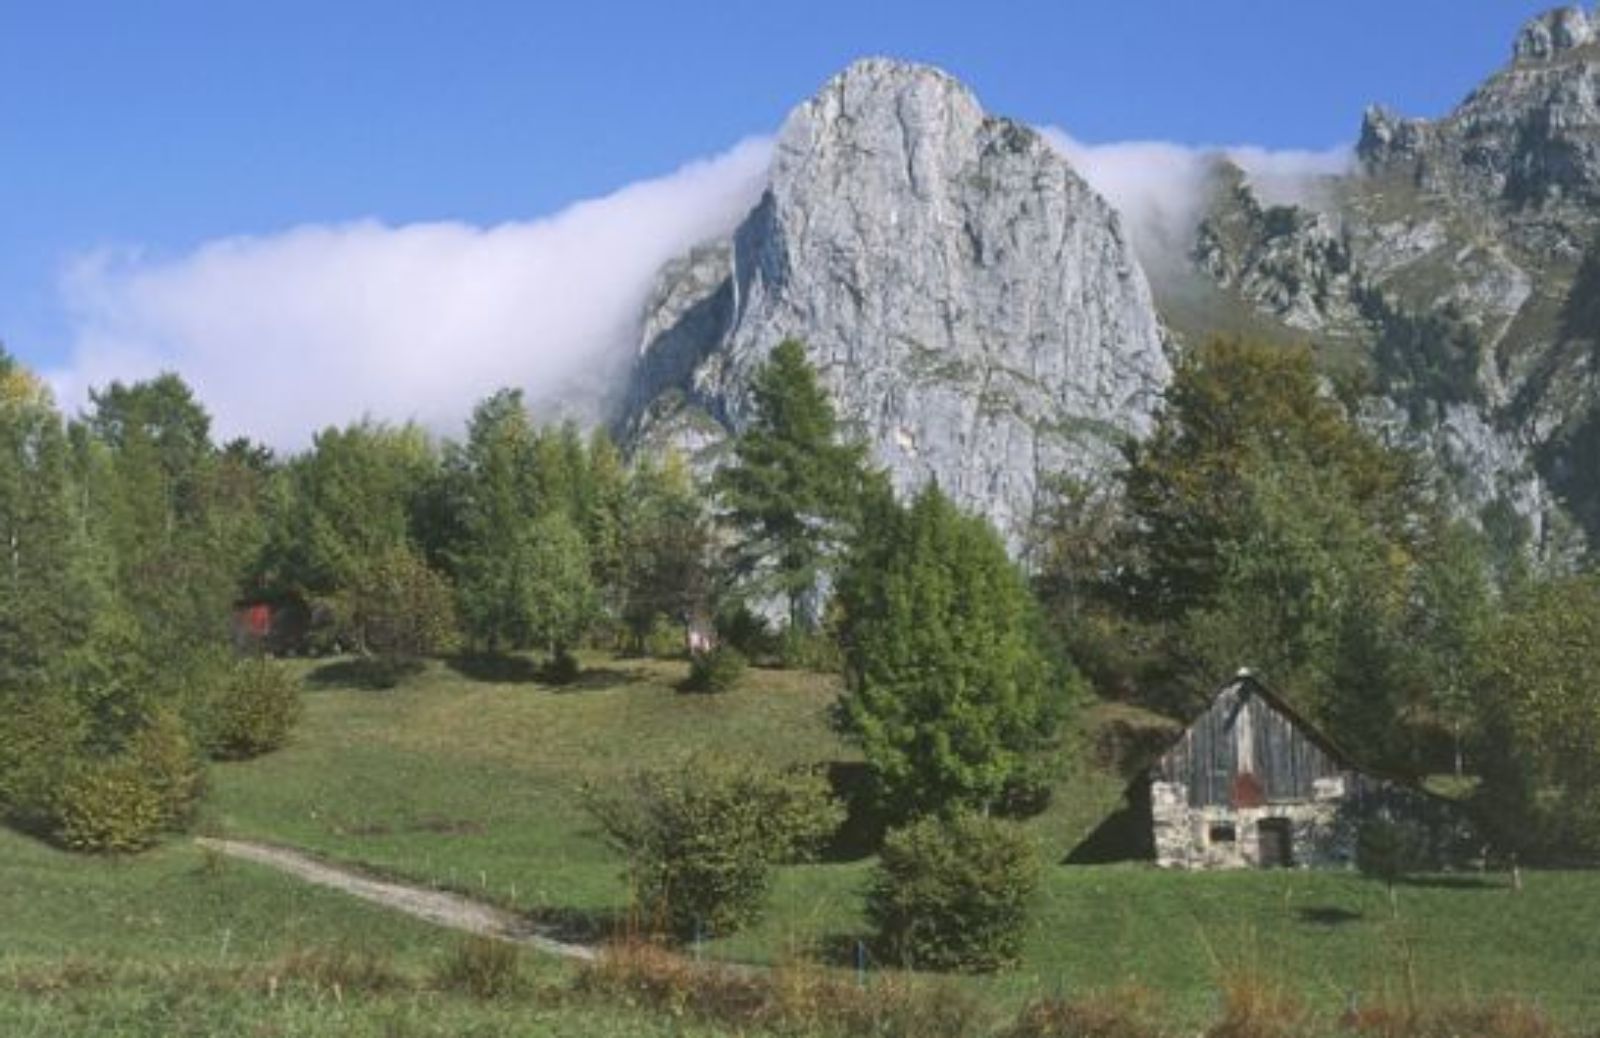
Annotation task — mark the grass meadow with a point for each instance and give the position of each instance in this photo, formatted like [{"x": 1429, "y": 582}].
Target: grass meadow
[{"x": 470, "y": 779}]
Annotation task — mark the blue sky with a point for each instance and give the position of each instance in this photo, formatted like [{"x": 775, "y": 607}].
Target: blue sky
[{"x": 151, "y": 129}]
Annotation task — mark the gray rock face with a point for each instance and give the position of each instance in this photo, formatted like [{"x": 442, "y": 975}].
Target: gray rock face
[
  {"x": 1553, "y": 32},
  {"x": 1454, "y": 261},
  {"x": 972, "y": 305},
  {"x": 1527, "y": 136}
]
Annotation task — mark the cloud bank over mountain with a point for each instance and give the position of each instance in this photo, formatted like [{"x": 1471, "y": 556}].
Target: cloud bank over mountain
[
  {"x": 1159, "y": 187},
  {"x": 285, "y": 333}
]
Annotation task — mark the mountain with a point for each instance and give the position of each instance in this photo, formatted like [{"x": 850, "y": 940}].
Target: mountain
[
  {"x": 973, "y": 306},
  {"x": 1458, "y": 267},
  {"x": 981, "y": 318}
]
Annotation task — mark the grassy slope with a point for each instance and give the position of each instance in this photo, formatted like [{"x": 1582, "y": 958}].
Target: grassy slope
[
  {"x": 178, "y": 942},
  {"x": 474, "y": 783}
]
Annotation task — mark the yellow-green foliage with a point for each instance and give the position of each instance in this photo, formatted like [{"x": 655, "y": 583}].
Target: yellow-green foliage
[
  {"x": 702, "y": 837},
  {"x": 108, "y": 806},
  {"x": 255, "y": 711},
  {"x": 122, "y": 803},
  {"x": 38, "y": 735}
]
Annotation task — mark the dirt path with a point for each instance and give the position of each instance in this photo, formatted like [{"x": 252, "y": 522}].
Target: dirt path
[{"x": 435, "y": 906}]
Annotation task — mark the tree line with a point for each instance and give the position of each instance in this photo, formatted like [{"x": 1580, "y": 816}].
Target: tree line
[{"x": 1259, "y": 525}]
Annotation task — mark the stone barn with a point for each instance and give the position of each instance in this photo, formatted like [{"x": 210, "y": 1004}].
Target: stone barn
[{"x": 1250, "y": 783}]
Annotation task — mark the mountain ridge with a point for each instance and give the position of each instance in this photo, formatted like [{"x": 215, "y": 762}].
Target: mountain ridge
[{"x": 980, "y": 317}]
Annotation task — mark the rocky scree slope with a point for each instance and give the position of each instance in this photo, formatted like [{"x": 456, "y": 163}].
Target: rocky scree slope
[{"x": 972, "y": 305}]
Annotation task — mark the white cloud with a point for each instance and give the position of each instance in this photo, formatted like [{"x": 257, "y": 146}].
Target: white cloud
[
  {"x": 1159, "y": 187},
  {"x": 285, "y": 333}
]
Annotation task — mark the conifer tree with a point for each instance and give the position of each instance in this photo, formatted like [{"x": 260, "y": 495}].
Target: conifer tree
[
  {"x": 792, "y": 489},
  {"x": 950, "y": 688},
  {"x": 498, "y": 495}
]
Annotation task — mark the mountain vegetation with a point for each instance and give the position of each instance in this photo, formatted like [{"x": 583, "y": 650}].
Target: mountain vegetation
[{"x": 1258, "y": 523}]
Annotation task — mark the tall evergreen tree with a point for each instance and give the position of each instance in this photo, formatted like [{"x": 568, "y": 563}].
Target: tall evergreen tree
[
  {"x": 950, "y": 687},
  {"x": 792, "y": 489},
  {"x": 668, "y": 547},
  {"x": 499, "y": 496}
]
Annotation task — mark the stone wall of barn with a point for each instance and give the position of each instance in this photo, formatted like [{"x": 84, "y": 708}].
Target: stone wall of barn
[{"x": 1197, "y": 837}]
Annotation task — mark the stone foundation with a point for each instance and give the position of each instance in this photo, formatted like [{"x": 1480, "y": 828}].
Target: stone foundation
[{"x": 1199, "y": 837}]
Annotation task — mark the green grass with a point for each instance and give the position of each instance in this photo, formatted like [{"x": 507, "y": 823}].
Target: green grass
[
  {"x": 181, "y": 942},
  {"x": 474, "y": 784},
  {"x": 177, "y": 905}
]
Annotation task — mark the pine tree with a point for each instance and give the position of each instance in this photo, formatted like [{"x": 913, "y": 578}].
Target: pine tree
[
  {"x": 950, "y": 689},
  {"x": 499, "y": 496},
  {"x": 792, "y": 490},
  {"x": 668, "y": 548}
]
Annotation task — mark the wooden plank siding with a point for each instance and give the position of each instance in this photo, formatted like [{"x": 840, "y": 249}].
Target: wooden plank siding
[{"x": 1245, "y": 733}]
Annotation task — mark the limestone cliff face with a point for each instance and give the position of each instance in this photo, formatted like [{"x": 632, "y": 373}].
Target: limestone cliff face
[
  {"x": 1458, "y": 260},
  {"x": 971, "y": 303}
]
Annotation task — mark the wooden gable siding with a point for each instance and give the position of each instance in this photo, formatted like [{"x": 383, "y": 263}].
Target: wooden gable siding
[{"x": 1283, "y": 760}]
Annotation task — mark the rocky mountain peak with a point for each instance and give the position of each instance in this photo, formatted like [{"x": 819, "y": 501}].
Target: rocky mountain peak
[
  {"x": 1529, "y": 137},
  {"x": 1549, "y": 34},
  {"x": 971, "y": 303}
]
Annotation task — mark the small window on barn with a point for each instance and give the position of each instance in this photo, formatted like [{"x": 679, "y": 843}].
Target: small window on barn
[{"x": 1223, "y": 832}]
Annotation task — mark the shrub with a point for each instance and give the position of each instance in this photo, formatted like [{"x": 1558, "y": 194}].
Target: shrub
[
  {"x": 39, "y": 736},
  {"x": 255, "y": 711},
  {"x": 817, "y": 651},
  {"x": 482, "y": 967},
  {"x": 664, "y": 640},
  {"x": 954, "y": 894},
  {"x": 717, "y": 671},
  {"x": 122, "y": 803},
  {"x": 107, "y": 807},
  {"x": 702, "y": 837},
  {"x": 746, "y": 631},
  {"x": 165, "y": 755},
  {"x": 402, "y": 610}
]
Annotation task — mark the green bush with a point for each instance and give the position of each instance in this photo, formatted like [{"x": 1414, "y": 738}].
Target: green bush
[
  {"x": 664, "y": 640},
  {"x": 39, "y": 735},
  {"x": 702, "y": 837},
  {"x": 719, "y": 670},
  {"x": 954, "y": 894},
  {"x": 255, "y": 711},
  {"x": 163, "y": 752},
  {"x": 816, "y": 651},
  {"x": 124, "y": 802},
  {"x": 738, "y": 626},
  {"x": 107, "y": 807}
]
